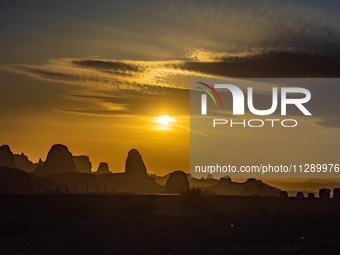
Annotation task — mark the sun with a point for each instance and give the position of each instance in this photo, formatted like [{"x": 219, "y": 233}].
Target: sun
[{"x": 164, "y": 120}]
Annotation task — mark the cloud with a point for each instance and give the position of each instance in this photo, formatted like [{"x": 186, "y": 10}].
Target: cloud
[
  {"x": 171, "y": 101},
  {"x": 261, "y": 63},
  {"x": 110, "y": 75},
  {"x": 128, "y": 87},
  {"x": 113, "y": 67},
  {"x": 144, "y": 76},
  {"x": 237, "y": 26}
]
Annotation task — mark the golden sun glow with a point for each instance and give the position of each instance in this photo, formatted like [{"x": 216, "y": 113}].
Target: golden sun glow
[{"x": 164, "y": 120}]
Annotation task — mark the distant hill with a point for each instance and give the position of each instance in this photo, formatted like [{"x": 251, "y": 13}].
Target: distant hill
[
  {"x": 251, "y": 187},
  {"x": 14, "y": 180},
  {"x": 226, "y": 186}
]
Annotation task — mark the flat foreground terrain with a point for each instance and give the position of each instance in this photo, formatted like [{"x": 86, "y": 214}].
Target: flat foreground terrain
[{"x": 161, "y": 224}]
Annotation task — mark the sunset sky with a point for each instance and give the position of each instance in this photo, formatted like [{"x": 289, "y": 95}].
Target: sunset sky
[{"x": 95, "y": 75}]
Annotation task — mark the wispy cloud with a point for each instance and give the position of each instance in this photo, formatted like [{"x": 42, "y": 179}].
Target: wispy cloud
[
  {"x": 111, "y": 75},
  {"x": 127, "y": 87}
]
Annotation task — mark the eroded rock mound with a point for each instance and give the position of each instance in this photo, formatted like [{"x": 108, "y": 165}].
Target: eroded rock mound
[
  {"x": 23, "y": 163},
  {"x": 103, "y": 168},
  {"x": 177, "y": 182},
  {"x": 226, "y": 180},
  {"x": 83, "y": 163},
  {"x": 6, "y": 157},
  {"x": 59, "y": 160},
  {"x": 251, "y": 187},
  {"x": 40, "y": 162},
  {"x": 134, "y": 164}
]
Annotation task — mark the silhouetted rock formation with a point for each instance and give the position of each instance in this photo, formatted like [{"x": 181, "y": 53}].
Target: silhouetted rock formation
[
  {"x": 300, "y": 194},
  {"x": 311, "y": 195},
  {"x": 6, "y": 157},
  {"x": 103, "y": 168},
  {"x": 134, "y": 164},
  {"x": 83, "y": 163},
  {"x": 251, "y": 187},
  {"x": 283, "y": 193},
  {"x": 209, "y": 176},
  {"x": 336, "y": 192},
  {"x": 225, "y": 179},
  {"x": 40, "y": 162},
  {"x": 177, "y": 182},
  {"x": 202, "y": 183},
  {"x": 161, "y": 180},
  {"x": 324, "y": 193},
  {"x": 131, "y": 182},
  {"x": 59, "y": 160},
  {"x": 23, "y": 163},
  {"x": 255, "y": 187}
]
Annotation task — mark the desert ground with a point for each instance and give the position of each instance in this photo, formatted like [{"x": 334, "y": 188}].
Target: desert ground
[{"x": 167, "y": 224}]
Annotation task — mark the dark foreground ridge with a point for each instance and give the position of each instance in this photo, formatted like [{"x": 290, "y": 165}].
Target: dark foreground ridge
[{"x": 158, "y": 224}]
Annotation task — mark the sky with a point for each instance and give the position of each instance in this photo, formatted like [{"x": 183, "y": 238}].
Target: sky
[{"x": 94, "y": 75}]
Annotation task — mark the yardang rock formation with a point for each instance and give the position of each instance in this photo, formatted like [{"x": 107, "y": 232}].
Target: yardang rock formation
[
  {"x": 6, "y": 157},
  {"x": 59, "y": 160},
  {"x": 134, "y": 164}
]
